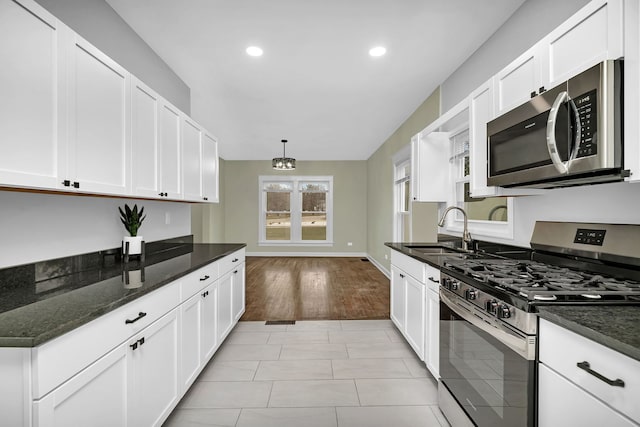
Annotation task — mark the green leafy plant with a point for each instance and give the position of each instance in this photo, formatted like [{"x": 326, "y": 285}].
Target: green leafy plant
[{"x": 131, "y": 218}]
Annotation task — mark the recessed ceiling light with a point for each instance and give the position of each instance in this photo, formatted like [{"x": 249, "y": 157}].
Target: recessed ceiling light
[
  {"x": 377, "y": 51},
  {"x": 254, "y": 51}
]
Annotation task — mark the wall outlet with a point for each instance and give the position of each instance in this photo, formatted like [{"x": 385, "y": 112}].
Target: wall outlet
[
  {"x": 349, "y": 243},
  {"x": 167, "y": 218}
]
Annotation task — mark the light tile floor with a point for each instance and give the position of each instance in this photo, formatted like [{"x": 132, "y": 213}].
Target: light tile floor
[{"x": 341, "y": 373}]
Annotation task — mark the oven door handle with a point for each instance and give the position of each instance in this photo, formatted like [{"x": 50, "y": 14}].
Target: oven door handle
[
  {"x": 521, "y": 344},
  {"x": 552, "y": 145}
]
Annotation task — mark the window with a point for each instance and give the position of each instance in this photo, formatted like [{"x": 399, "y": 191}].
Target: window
[
  {"x": 296, "y": 210},
  {"x": 402, "y": 196}
]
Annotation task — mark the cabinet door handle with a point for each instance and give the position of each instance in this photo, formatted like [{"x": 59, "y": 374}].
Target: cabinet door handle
[
  {"x": 202, "y": 279},
  {"x": 76, "y": 184},
  {"x": 141, "y": 341},
  {"x": 434, "y": 280},
  {"x": 140, "y": 316},
  {"x": 205, "y": 198},
  {"x": 134, "y": 345},
  {"x": 587, "y": 367},
  {"x": 401, "y": 276},
  {"x": 235, "y": 272},
  {"x": 234, "y": 260},
  {"x": 534, "y": 94},
  {"x": 205, "y": 294},
  {"x": 66, "y": 183}
]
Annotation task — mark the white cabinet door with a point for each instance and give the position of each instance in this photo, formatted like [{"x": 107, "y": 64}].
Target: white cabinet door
[
  {"x": 562, "y": 403},
  {"x": 145, "y": 109},
  {"x": 481, "y": 112},
  {"x": 210, "y": 169},
  {"x": 170, "y": 151},
  {"x": 99, "y": 120},
  {"x": 208, "y": 321},
  {"x": 97, "y": 396},
  {"x": 32, "y": 113},
  {"x": 432, "y": 343},
  {"x": 224, "y": 314},
  {"x": 592, "y": 35},
  {"x": 190, "y": 340},
  {"x": 397, "y": 311},
  {"x": 516, "y": 82},
  {"x": 430, "y": 167},
  {"x": 191, "y": 160},
  {"x": 154, "y": 371},
  {"x": 238, "y": 291},
  {"x": 632, "y": 89},
  {"x": 415, "y": 315}
]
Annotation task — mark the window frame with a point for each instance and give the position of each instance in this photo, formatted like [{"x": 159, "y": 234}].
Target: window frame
[
  {"x": 295, "y": 210},
  {"x": 402, "y": 217}
]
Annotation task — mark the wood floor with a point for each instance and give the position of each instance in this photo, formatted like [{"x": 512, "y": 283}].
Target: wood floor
[{"x": 314, "y": 289}]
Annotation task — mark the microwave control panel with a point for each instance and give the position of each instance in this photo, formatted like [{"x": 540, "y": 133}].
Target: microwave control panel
[{"x": 587, "y": 112}]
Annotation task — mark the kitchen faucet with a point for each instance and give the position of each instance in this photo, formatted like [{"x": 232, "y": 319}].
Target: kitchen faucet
[{"x": 466, "y": 237}]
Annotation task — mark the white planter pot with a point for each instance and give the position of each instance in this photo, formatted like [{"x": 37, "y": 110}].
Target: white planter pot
[{"x": 135, "y": 244}]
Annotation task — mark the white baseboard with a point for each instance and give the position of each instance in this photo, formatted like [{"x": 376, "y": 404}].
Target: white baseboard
[
  {"x": 379, "y": 267},
  {"x": 309, "y": 254}
]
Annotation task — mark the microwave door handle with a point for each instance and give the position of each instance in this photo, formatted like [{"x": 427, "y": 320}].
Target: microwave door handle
[
  {"x": 552, "y": 146},
  {"x": 577, "y": 132}
]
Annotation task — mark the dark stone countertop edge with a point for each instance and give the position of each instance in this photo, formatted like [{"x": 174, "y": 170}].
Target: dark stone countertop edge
[
  {"x": 55, "y": 332},
  {"x": 434, "y": 261},
  {"x": 566, "y": 319}
]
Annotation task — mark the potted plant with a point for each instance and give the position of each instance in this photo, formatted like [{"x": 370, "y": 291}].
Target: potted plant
[{"x": 132, "y": 220}]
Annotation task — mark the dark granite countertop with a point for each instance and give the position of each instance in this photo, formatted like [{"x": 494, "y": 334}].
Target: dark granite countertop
[
  {"x": 434, "y": 260},
  {"x": 616, "y": 327},
  {"x": 41, "y": 301}
]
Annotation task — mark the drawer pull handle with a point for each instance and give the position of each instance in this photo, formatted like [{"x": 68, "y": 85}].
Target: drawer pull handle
[
  {"x": 587, "y": 367},
  {"x": 434, "y": 280},
  {"x": 235, "y": 260},
  {"x": 140, "y": 316},
  {"x": 401, "y": 276},
  {"x": 235, "y": 272},
  {"x": 202, "y": 279}
]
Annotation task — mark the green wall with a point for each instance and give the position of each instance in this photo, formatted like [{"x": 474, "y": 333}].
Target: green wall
[
  {"x": 349, "y": 203},
  {"x": 380, "y": 179}
]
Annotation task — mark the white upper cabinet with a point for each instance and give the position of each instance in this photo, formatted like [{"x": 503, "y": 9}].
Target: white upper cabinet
[
  {"x": 594, "y": 34},
  {"x": 99, "y": 138},
  {"x": 632, "y": 89},
  {"x": 430, "y": 159},
  {"x": 32, "y": 87},
  {"x": 518, "y": 82},
  {"x": 210, "y": 165},
  {"x": 191, "y": 160},
  {"x": 145, "y": 159},
  {"x": 170, "y": 151}
]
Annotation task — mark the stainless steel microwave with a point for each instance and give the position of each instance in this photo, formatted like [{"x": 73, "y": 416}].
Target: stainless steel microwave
[{"x": 568, "y": 135}]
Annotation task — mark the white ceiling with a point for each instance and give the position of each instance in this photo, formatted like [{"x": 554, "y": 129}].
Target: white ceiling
[{"x": 316, "y": 84}]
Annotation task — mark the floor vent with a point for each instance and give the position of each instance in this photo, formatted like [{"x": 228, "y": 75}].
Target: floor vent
[
  {"x": 280, "y": 322},
  {"x": 364, "y": 259}
]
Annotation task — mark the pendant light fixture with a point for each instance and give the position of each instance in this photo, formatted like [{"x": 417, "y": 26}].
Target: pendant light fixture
[{"x": 283, "y": 163}]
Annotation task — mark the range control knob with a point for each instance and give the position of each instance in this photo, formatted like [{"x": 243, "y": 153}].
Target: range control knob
[
  {"x": 445, "y": 282},
  {"x": 454, "y": 285},
  {"x": 492, "y": 306},
  {"x": 504, "y": 312},
  {"x": 471, "y": 294}
]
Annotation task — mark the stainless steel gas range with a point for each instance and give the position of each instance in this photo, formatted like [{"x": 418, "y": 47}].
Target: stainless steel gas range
[{"x": 488, "y": 322}]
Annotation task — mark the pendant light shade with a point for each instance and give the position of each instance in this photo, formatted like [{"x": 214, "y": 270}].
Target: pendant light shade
[{"x": 283, "y": 163}]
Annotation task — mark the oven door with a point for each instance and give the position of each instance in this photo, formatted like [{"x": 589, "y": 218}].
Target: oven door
[{"x": 489, "y": 371}]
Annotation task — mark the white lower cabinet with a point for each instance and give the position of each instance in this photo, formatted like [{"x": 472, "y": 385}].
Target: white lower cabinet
[
  {"x": 96, "y": 396},
  {"x": 408, "y": 299},
  {"x": 153, "y": 370},
  {"x": 432, "y": 329},
  {"x": 415, "y": 314},
  {"x": 224, "y": 314},
  {"x": 129, "y": 367},
  {"x": 584, "y": 383},
  {"x": 397, "y": 308}
]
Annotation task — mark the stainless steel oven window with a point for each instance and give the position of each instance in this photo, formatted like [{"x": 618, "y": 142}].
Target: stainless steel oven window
[{"x": 493, "y": 384}]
